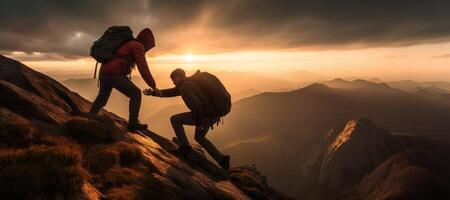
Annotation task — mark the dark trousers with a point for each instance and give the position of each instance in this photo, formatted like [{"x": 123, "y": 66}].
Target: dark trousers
[
  {"x": 186, "y": 118},
  {"x": 124, "y": 85}
]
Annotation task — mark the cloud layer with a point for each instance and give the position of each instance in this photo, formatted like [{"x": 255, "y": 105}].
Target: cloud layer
[{"x": 67, "y": 28}]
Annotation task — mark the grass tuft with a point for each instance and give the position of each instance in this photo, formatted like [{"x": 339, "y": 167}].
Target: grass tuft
[
  {"x": 88, "y": 131},
  {"x": 14, "y": 134},
  {"x": 101, "y": 159},
  {"x": 41, "y": 172},
  {"x": 129, "y": 154}
]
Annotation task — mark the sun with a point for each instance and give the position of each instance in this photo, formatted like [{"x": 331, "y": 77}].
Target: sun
[{"x": 188, "y": 57}]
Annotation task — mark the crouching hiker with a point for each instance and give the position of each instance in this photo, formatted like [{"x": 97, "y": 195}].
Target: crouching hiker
[{"x": 208, "y": 101}]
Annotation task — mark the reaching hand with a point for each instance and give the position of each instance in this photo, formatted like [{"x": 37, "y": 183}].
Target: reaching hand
[
  {"x": 148, "y": 92},
  {"x": 153, "y": 92}
]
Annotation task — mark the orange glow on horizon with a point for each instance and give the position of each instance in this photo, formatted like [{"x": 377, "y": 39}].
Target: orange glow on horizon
[{"x": 394, "y": 63}]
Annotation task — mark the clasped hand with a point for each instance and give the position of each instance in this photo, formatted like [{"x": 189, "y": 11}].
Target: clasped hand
[{"x": 152, "y": 92}]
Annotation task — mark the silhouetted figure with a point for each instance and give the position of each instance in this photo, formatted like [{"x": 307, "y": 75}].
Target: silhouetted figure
[
  {"x": 204, "y": 112},
  {"x": 114, "y": 74}
]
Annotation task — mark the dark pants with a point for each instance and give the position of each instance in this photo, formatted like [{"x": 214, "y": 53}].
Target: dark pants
[
  {"x": 124, "y": 85},
  {"x": 186, "y": 118}
]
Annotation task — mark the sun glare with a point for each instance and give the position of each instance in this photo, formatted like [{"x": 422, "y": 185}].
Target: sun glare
[{"x": 188, "y": 57}]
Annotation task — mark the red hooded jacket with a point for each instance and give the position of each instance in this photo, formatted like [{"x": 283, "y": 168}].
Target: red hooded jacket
[{"x": 129, "y": 54}]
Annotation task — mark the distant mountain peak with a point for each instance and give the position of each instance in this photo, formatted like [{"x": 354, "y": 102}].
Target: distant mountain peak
[
  {"x": 315, "y": 87},
  {"x": 361, "y": 81},
  {"x": 340, "y": 80},
  {"x": 318, "y": 86},
  {"x": 355, "y": 84},
  {"x": 360, "y": 140}
]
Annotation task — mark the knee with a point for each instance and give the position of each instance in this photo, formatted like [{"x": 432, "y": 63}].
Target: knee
[
  {"x": 174, "y": 120},
  {"x": 136, "y": 94},
  {"x": 132, "y": 92}
]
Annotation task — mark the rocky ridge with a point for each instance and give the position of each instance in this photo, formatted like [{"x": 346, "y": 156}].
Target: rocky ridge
[{"x": 50, "y": 149}]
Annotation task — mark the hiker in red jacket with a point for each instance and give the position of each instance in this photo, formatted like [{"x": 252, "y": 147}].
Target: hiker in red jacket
[{"x": 113, "y": 74}]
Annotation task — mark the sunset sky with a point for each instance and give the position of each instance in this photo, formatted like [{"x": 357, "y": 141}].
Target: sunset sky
[{"x": 387, "y": 39}]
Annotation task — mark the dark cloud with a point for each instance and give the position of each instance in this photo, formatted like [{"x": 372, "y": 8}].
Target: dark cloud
[
  {"x": 64, "y": 27},
  {"x": 67, "y": 28}
]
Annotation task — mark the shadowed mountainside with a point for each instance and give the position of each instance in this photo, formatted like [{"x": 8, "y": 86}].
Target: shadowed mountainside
[
  {"x": 49, "y": 149},
  {"x": 362, "y": 161},
  {"x": 296, "y": 122}
]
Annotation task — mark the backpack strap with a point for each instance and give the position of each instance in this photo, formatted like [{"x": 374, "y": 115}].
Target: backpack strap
[{"x": 95, "y": 72}]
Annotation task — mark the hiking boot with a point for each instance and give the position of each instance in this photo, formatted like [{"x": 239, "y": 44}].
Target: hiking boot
[
  {"x": 183, "y": 151},
  {"x": 133, "y": 127},
  {"x": 225, "y": 162}
]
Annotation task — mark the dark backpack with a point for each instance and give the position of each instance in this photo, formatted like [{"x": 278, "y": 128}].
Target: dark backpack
[
  {"x": 215, "y": 91},
  {"x": 104, "y": 48}
]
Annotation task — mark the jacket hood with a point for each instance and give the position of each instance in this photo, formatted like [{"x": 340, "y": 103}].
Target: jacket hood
[{"x": 145, "y": 37}]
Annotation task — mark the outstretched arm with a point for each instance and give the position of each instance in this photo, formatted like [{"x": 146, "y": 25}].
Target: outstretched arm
[
  {"x": 141, "y": 62},
  {"x": 171, "y": 92}
]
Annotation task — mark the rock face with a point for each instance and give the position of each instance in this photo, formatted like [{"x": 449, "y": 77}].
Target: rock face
[
  {"x": 49, "y": 149},
  {"x": 256, "y": 188},
  {"x": 359, "y": 148},
  {"x": 362, "y": 161}
]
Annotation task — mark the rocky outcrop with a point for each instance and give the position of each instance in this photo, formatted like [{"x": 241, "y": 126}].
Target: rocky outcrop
[
  {"x": 355, "y": 151},
  {"x": 50, "y": 150},
  {"x": 362, "y": 161},
  {"x": 254, "y": 184}
]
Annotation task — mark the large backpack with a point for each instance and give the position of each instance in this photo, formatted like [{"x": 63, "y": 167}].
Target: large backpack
[
  {"x": 215, "y": 91},
  {"x": 104, "y": 48}
]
